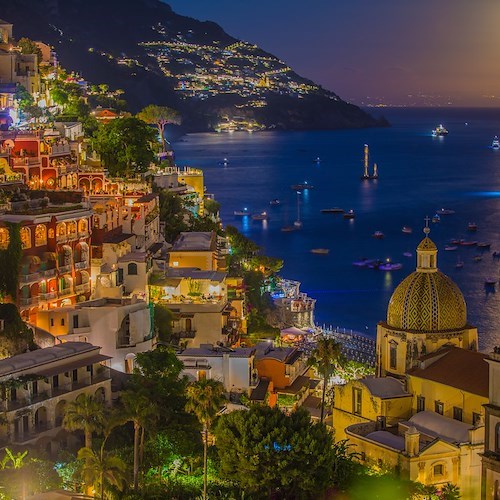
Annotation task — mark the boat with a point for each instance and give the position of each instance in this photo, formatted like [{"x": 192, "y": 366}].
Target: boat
[
  {"x": 450, "y": 248},
  {"x": 490, "y": 281},
  {"x": 334, "y": 210},
  {"x": 459, "y": 264},
  {"x": 457, "y": 241},
  {"x": 483, "y": 245},
  {"x": 407, "y": 230},
  {"x": 464, "y": 243},
  {"x": 436, "y": 218},
  {"x": 390, "y": 266},
  {"x": 224, "y": 162},
  {"x": 366, "y": 174},
  {"x": 378, "y": 235},
  {"x": 241, "y": 213},
  {"x": 407, "y": 254},
  {"x": 287, "y": 229},
  {"x": 445, "y": 211},
  {"x": 496, "y": 143},
  {"x": 317, "y": 160},
  {"x": 471, "y": 226},
  {"x": 320, "y": 251},
  {"x": 260, "y": 216},
  {"x": 349, "y": 215},
  {"x": 478, "y": 258},
  {"x": 364, "y": 262},
  {"x": 275, "y": 202},
  {"x": 302, "y": 187},
  {"x": 439, "y": 131}
]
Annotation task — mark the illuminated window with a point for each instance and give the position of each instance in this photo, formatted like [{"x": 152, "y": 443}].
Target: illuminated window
[
  {"x": 439, "y": 407},
  {"x": 82, "y": 226},
  {"x": 61, "y": 229},
  {"x": 357, "y": 395},
  {"x": 40, "y": 235},
  {"x": 4, "y": 238},
  {"x": 476, "y": 417},
  {"x": 132, "y": 268},
  {"x": 438, "y": 470},
  {"x": 25, "y": 238},
  {"x": 175, "y": 264},
  {"x": 202, "y": 375}
]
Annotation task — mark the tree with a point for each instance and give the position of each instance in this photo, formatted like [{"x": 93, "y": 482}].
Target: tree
[
  {"x": 163, "y": 322},
  {"x": 159, "y": 116},
  {"x": 102, "y": 468},
  {"x": 125, "y": 146},
  {"x": 23, "y": 97},
  {"x": 271, "y": 454},
  {"x": 450, "y": 492},
  {"x": 204, "y": 399},
  {"x": 59, "y": 96},
  {"x": 139, "y": 411},
  {"x": 84, "y": 413},
  {"x": 30, "y": 47},
  {"x": 325, "y": 358},
  {"x": 173, "y": 214}
]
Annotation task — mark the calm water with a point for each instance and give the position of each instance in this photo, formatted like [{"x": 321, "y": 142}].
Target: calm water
[{"x": 418, "y": 175}]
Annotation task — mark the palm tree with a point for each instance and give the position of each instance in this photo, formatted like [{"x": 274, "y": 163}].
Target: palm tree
[
  {"x": 326, "y": 358},
  {"x": 102, "y": 468},
  {"x": 159, "y": 116},
  {"x": 204, "y": 399},
  {"x": 139, "y": 411},
  {"x": 450, "y": 492},
  {"x": 85, "y": 413}
]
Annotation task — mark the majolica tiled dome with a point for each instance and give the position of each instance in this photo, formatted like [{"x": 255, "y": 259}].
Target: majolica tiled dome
[{"x": 427, "y": 300}]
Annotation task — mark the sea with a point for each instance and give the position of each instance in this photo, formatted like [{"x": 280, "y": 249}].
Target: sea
[{"x": 418, "y": 175}]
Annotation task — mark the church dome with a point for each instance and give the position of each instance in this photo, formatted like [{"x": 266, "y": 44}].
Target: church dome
[{"x": 427, "y": 300}]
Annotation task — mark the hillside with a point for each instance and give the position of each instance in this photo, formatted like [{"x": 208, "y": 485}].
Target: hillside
[{"x": 158, "y": 56}]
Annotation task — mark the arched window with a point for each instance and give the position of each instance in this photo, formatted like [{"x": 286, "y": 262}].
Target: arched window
[
  {"x": 71, "y": 228},
  {"x": 82, "y": 226},
  {"x": 4, "y": 238},
  {"x": 393, "y": 354},
  {"x": 25, "y": 238},
  {"x": 61, "y": 229},
  {"x": 132, "y": 268},
  {"x": 40, "y": 235}
]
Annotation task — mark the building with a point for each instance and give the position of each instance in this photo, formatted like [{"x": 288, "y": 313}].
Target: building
[
  {"x": 233, "y": 367},
  {"x": 122, "y": 327},
  {"x": 491, "y": 455},
  {"x": 196, "y": 250},
  {"x": 37, "y": 386},
  {"x": 426, "y": 311}
]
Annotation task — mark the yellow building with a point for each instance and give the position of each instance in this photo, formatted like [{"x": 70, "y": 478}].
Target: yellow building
[
  {"x": 431, "y": 428},
  {"x": 195, "y": 250},
  {"x": 426, "y": 311}
]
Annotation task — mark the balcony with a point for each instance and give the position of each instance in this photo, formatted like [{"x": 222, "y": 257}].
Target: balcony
[
  {"x": 65, "y": 291},
  {"x": 45, "y": 297},
  {"x": 29, "y": 301},
  {"x": 185, "y": 334},
  {"x": 64, "y": 269},
  {"x": 29, "y": 278},
  {"x": 48, "y": 273},
  {"x": 81, "y": 265},
  {"x": 26, "y": 161},
  {"x": 62, "y": 238},
  {"x": 83, "y": 288},
  {"x": 83, "y": 234},
  {"x": 59, "y": 149}
]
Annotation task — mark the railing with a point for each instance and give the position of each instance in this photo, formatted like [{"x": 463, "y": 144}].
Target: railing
[
  {"x": 64, "y": 269},
  {"x": 61, "y": 149},
  {"x": 83, "y": 234},
  {"x": 81, "y": 330},
  {"x": 28, "y": 278},
  {"x": 72, "y": 236},
  {"x": 62, "y": 238},
  {"x": 47, "y": 296},
  {"x": 65, "y": 291},
  {"x": 26, "y": 160},
  {"x": 49, "y": 273},
  {"x": 30, "y": 301},
  {"x": 83, "y": 288},
  {"x": 186, "y": 334},
  {"x": 81, "y": 265}
]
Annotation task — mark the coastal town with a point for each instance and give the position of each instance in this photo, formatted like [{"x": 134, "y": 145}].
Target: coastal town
[{"x": 150, "y": 350}]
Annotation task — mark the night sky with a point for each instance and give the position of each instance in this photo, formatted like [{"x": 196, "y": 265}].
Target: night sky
[{"x": 392, "y": 51}]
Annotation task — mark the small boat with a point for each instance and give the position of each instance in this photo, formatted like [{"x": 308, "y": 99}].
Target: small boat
[
  {"x": 407, "y": 254},
  {"x": 464, "y": 243},
  {"x": 241, "y": 213},
  {"x": 445, "y": 211},
  {"x": 275, "y": 202},
  {"x": 450, "y": 248},
  {"x": 287, "y": 229},
  {"x": 436, "y": 218},
  {"x": 317, "y": 160},
  {"x": 459, "y": 264},
  {"x": 439, "y": 131},
  {"x": 472, "y": 226},
  {"x": 478, "y": 258},
  {"x": 456, "y": 241},
  {"x": 320, "y": 251},
  {"x": 334, "y": 210},
  {"x": 496, "y": 143},
  {"x": 375, "y": 264},
  {"x": 483, "y": 245},
  {"x": 302, "y": 187},
  {"x": 261, "y": 216},
  {"x": 378, "y": 235},
  {"x": 390, "y": 266},
  {"x": 364, "y": 262},
  {"x": 297, "y": 224},
  {"x": 490, "y": 281},
  {"x": 349, "y": 215},
  {"x": 407, "y": 230},
  {"x": 224, "y": 162}
]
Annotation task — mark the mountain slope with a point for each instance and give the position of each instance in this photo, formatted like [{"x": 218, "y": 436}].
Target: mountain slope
[{"x": 158, "y": 56}]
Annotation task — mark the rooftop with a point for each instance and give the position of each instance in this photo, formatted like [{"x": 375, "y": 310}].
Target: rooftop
[
  {"x": 194, "y": 242},
  {"x": 32, "y": 359},
  {"x": 460, "y": 368},
  {"x": 208, "y": 350},
  {"x": 117, "y": 238},
  {"x": 266, "y": 350},
  {"x": 384, "y": 387},
  {"x": 146, "y": 198}
]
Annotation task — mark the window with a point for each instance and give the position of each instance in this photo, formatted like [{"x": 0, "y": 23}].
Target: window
[
  {"x": 25, "y": 238},
  {"x": 458, "y": 413},
  {"x": 40, "y": 235},
  {"x": 439, "y": 407},
  {"x": 132, "y": 268},
  {"x": 75, "y": 375},
  {"x": 438, "y": 470},
  {"x": 420, "y": 403},
  {"x": 62, "y": 321},
  {"x": 4, "y": 238},
  {"x": 13, "y": 394},
  {"x": 35, "y": 387},
  {"x": 55, "y": 381},
  {"x": 497, "y": 438},
  {"x": 356, "y": 400},
  {"x": 119, "y": 279},
  {"x": 75, "y": 321},
  {"x": 476, "y": 418},
  {"x": 393, "y": 355},
  {"x": 202, "y": 375},
  {"x": 51, "y": 321}
]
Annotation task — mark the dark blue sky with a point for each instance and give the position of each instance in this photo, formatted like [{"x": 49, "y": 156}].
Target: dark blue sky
[{"x": 394, "y": 50}]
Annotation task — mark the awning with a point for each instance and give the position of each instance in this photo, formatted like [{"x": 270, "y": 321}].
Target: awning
[
  {"x": 68, "y": 367},
  {"x": 292, "y": 332}
]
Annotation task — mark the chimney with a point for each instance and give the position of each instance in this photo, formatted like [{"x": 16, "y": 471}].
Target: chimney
[{"x": 412, "y": 442}]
